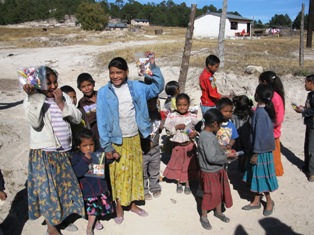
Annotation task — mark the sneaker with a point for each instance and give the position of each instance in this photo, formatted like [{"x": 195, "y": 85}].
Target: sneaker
[
  {"x": 187, "y": 190},
  {"x": 156, "y": 194},
  {"x": 205, "y": 223},
  {"x": 179, "y": 188},
  {"x": 147, "y": 196},
  {"x": 311, "y": 178}
]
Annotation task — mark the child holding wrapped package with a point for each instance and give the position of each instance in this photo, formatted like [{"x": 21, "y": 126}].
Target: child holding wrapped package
[
  {"x": 182, "y": 165},
  {"x": 49, "y": 112},
  {"x": 214, "y": 178}
]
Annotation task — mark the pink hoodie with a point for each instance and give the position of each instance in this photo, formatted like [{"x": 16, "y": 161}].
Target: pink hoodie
[{"x": 280, "y": 114}]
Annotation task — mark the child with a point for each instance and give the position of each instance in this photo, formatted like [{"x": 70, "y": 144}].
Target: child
[
  {"x": 151, "y": 153},
  {"x": 242, "y": 118},
  {"x": 180, "y": 124},
  {"x": 228, "y": 132},
  {"x": 86, "y": 84},
  {"x": 172, "y": 89},
  {"x": 48, "y": 112},
  {"x": 270, "y": 78},
  {"x": 307, "y": 112},
  {"x": 95, "y": 190},
  {"x": 3, "y": 195},
  {"x": 260, "y": 174},
  {"x": 122, "y": 115},
  {"x": 70, "y": 92},
  {"x": 74, "y": 127},
  {"x": 214, "y": 177},
  {"x": 207, "y": 82}
]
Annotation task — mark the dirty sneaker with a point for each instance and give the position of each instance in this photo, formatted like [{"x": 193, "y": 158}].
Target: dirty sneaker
[{"x": 205, "y": 223}]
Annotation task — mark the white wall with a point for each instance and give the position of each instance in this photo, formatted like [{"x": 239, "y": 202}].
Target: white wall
[{"x": 208, "y": 26}]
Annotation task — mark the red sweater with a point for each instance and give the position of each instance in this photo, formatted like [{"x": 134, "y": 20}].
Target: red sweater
[{"x": 210, "y": 94}]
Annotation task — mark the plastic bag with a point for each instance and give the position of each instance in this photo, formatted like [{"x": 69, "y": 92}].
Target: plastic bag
[{"x": 35, "y": 76}]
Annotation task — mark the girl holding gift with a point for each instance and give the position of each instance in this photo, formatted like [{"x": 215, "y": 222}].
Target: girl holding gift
[
  {"x": 95, "y": 190},
  {"x": 49, "y": 111}
]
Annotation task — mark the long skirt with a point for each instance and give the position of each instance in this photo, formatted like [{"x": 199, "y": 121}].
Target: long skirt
[
  {"x": 277, "y": 158},
  {"x": 53, "y": 189},
  {"x": 262, "y": 177},
  {"x": 183, "y": 165},
  {"x": 216, "y": 189},
  {"x": 126, "y": 174}
]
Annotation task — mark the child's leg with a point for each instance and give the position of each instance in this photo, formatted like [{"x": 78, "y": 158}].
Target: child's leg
[
  {"x": 269, "y": 202},
  {"x": 52, "y": 230},
  {"x": 90, "y": 224},
  {"x": 257, "y": 200},
  {"x": 154, "y": 169},
  {"x": 145, "y": 172},
  {"x": 119, "y": 209}
]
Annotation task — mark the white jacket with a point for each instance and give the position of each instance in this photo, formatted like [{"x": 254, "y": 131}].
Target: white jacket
[{"x": 37, "y": 114}]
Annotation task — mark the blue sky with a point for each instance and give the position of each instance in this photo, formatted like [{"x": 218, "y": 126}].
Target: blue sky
[{"x": 262, "y": 10}]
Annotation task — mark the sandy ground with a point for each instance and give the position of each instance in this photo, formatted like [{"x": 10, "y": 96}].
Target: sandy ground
[{"x": 172, "y": 213}]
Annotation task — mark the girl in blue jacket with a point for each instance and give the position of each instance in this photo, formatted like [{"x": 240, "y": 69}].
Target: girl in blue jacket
[
  {"x": 95, "y": 190},
  {"x": 122, "y": 116}
]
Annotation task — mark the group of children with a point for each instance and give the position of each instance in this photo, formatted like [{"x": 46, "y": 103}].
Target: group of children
[{"x": 200, "y": 150}]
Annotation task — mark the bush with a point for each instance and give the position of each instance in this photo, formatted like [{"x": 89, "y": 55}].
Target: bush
[{"x": 91, "y": 16}]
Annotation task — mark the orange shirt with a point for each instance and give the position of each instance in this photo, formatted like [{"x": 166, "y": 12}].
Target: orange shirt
[{"x": 208, "y": 86}]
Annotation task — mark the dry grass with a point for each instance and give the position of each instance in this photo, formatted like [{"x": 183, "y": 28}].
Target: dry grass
[{"x": 278, "y": 54}]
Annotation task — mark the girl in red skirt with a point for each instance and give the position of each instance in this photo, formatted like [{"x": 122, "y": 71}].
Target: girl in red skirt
[
  {"x": 180, "y": 125},
  {"x": 214, "y": 177}
]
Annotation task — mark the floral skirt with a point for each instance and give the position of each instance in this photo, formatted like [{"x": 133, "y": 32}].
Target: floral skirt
[
  {"x": 126, "y": 174},
  {"x": 53, "y": 189},
  {"x": 99, "y": 206}
]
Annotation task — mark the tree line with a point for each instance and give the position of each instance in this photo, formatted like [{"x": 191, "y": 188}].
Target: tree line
[{"x": 94, "y": 15}]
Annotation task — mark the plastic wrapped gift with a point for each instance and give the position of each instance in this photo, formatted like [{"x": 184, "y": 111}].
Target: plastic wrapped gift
[
  {"x": 142, "y": 63},
  {"x": 33, "y": 76}
]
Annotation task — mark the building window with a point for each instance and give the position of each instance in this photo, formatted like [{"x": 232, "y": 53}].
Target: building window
[{"x": 234, "y": 25}]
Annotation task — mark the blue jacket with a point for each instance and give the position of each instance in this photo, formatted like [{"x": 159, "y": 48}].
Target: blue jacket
[
  {"x": 108, "y": 108},
  {"x": 263, "y": 139},
  {"x": 91, "y": 187}
]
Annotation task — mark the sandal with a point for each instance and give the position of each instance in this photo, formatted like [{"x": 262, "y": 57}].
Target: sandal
[
  {"x": 99, "y": 226},
  {"x": 118, "y": 220},
  {"x": 140, "y": 212},
  {"x": 222, "y": 217}
]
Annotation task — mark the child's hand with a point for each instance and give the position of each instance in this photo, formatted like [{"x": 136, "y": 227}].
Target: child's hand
[
  {"x": 3, "y": 195},
  {"x": 88, "y": 156},
  {"x": 180, "y": 127},
  {"x": 112, "y": 155},
  {"x": 299, "y": 109},
  {"x": 57, "y": 93},
  {"x": 253, "y": 160},
  {"x": 29, "y": 89},
  {"x": 192, "y": 134}
]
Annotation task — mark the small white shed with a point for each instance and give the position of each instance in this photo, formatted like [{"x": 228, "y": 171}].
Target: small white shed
[{"x": 208, "y": 25}]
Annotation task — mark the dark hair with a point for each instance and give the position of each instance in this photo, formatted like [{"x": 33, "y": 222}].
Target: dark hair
[
  {"x": 183, "y": 96},
  {"x": 212, "y": 60},
  {"x": 310, "y": 78},
  {"x": 83, "y": 77},
  {"x": 274, "y": 81},
  {"x": 223, "y": 102},
  {"x": 264, "y": 93},
  {"x": 242, "y": 106},
  {"x": 66, "y": 89},
  {"x": 171, "y": 90},
  {"x": 84, "y": 133},
  {"x": 213, "y": 115},
  {"x": 119, "y": 62}
]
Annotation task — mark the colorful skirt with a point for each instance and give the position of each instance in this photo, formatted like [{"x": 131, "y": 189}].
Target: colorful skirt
[
  {"x": 262, "y": 177},
  {"x": 53, "y": 189},
  {"x": 216, "y": 189},
  {"x": 183, "y": 165},
  {"x": 126, "y": 174},
  {"x": 99, "y": 206}
]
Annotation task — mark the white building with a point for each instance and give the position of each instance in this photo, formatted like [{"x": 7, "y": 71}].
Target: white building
[
  {"x": 141, "y": 22},
  {"x": 208, "y": 25}
]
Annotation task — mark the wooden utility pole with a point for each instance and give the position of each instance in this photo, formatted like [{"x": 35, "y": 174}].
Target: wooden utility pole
[
  {"x": 187, "y": 50},
  {"x": 301, "y": 50},
  {"x": 310, "y": 26},
  {"x": 221, "y": 36}
]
